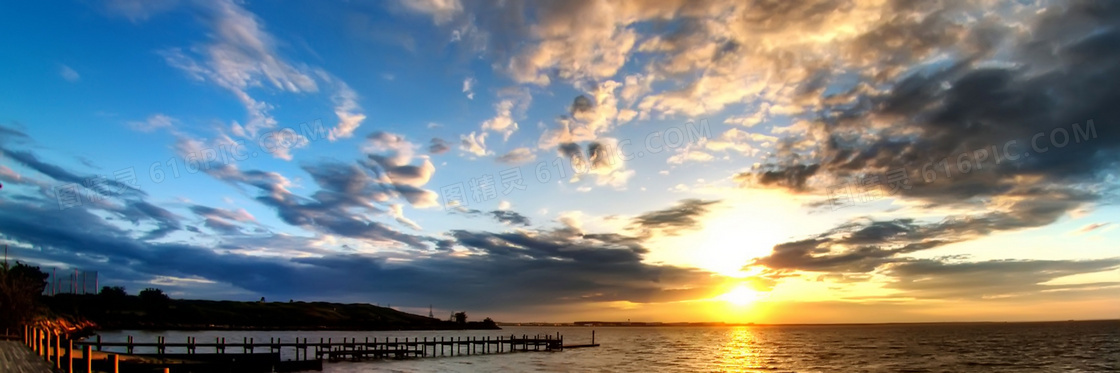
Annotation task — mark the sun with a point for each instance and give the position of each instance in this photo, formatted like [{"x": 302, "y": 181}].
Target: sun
[{"x": 740, "y": 296}]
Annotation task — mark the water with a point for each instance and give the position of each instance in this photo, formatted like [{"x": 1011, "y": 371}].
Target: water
[{"x": 1004, "y": 347}]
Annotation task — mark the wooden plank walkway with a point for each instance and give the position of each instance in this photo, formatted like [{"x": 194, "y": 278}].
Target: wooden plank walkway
[{"x": 17, "y": 358}]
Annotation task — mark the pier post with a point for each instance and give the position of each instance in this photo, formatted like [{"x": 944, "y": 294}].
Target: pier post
[
  {"x": 99, "y": 342},
  {"x": 70, "y": 356},
  {"x": 58, "y": 351},
  {"x": 87, "y": 357},
  {"x": 115, "y": 361},
  {"x": 47, "y": 344},
  {"x": 129, "y": 347},
  {"x": 592, "y": 336}
]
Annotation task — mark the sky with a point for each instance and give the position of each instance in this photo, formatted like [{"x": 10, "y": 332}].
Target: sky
[{"x": 741, "y": 161}]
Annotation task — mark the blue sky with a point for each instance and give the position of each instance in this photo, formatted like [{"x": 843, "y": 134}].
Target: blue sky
[{"x": 923, "y": 161}]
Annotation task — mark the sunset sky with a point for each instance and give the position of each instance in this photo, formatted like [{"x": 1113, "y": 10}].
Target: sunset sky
[{"x": 741, "y": 161}]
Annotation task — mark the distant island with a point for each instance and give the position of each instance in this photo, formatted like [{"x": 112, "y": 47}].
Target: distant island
[{"x": 112, "y": 309}]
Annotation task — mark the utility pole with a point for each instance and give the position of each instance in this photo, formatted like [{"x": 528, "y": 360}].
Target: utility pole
[{"x": 430, "y": 314}]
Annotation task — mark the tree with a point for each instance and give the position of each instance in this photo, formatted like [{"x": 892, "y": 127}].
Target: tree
[
  {"x": 154, "y": 300},
  {"x": 153, "y": 295},
  {"x": 112, "y": 292},
  {"x": 20, "y": 288},
  {"x": 461, "y": 318}
]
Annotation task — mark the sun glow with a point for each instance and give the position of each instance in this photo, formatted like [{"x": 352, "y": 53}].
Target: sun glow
[{"x": 740, "y": 296}]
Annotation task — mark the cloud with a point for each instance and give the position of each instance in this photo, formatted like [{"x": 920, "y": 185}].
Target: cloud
[
  {"x": 502, "y": 215},
  {"x": 242, "y": 57},
  {"x": 1092, "y": 227},
  {"x": 474, "y": 143},
  {"x": 602, "y": 162},
  {"x": 153, "y": 122},
  {"x": 684, "y": 215},
  {"x": 864, "y": 245},
  {"x": 69, "y": 74},
  {"x": 517, "y": 156},
  {"x": 94, "y": 183},
  {"x": 222, "y": 221},
  {"x": 441, "y": 11},
  {"x": 510, "y": 217},
  {"x": 514, "y": 103},
  {"x": 930, "y": 279},
  {"x": 468, "y": 87},
  {"x": 348, "y": 112},
  {"x": 503, "y": 122},
  {"x": 397, "y": 211},
  {"x": 966, "y": 110},
  {"x": 438, "y": 146},
  {"x": 500, "y": 268},
  {"x": 138, "y": 10},
  {"x": 589, "y": 117}
]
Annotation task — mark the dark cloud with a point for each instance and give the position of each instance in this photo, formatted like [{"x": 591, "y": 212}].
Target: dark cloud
[
  {"x": 166, "y": 221},
  {"x": 222, "y": 221},
  {"x": 685, "y": 215},
  {"x": 575, "y": 155},
  {"x": 438, "y": 146},
  {"x": 343, "y": 189},
  {"x": 510, "y": 217},
  {"x": 864, "y": 245},
  {"x": 599, "y": 156},
  {"x": 513, "y": 269},
  {"x": 581, "y": 104},
  {"x": 993, "y": 279},
  {"x": 968, "y": 110},
  {"x": 956, "y": 128},
  {"x": 97, "y": 184},
  {"x": 502, "y": 216}
]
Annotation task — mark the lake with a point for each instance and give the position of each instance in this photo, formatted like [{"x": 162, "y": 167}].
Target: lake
[{"x": 990, "y": 347}]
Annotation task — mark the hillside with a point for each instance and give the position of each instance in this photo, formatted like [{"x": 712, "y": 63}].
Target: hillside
[{"x": 133, "y": 312}]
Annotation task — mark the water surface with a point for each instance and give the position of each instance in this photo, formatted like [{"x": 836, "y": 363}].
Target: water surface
[{"x": 999, "y": 347}]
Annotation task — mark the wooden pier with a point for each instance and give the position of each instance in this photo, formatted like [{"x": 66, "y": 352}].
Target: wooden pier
[{"x": 248, "y": 355}]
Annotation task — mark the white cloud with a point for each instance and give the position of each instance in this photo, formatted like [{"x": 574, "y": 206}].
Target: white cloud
[
  {"x": 441, "y": 11},
  {"x": 69, "y": 74},
  {"x": 241, "y": 56},
  {"x": 468, "y": 88},
  {"x": 396, "y": 210},
  {"x": 503, "y": 122},
  {"x": 474, "y": 143},
  {"x": 154, "y": 122},
  {"x": 514, "y": 103},
  {"x": 348, "y": 112}
]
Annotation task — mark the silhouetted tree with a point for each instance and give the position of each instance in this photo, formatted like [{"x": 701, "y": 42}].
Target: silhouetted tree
[
  {"x": 20, "y": 287},
  {"x": 154, "y": 300},
  {"x": 461, "y": 318},
  {"x": 112, "y": 292}
]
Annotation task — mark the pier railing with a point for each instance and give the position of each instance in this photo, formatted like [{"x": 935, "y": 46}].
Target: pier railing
[
  {"x": 331, "y": 349},
  {"x": 249, "y": 355}
]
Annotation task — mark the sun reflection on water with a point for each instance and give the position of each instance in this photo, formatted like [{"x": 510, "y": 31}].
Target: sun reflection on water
[{"x": 741, "y": 351}]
